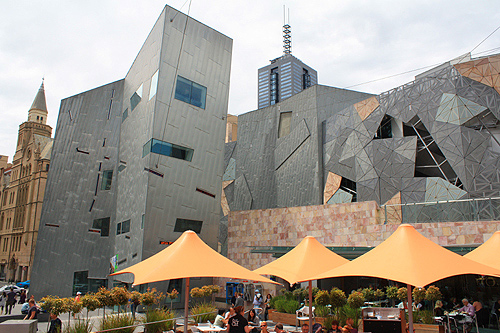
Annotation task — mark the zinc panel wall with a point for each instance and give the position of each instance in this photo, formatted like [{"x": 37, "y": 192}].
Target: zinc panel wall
[{"x": 73, "y": 196}]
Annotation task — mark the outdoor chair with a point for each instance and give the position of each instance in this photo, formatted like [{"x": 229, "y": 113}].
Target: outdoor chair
[
  {"x": 493, "y": 322},
  {"x": 302, "y": 314}
]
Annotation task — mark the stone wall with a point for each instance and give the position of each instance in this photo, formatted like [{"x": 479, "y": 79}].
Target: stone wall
[{"x": 348, "y": 224}]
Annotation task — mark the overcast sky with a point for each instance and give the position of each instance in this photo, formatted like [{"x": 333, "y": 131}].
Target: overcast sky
[{"x": 80, "y": 45}]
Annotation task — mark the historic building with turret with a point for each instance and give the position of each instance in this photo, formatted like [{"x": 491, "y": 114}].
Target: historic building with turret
[{"x": 22, "y": 186}]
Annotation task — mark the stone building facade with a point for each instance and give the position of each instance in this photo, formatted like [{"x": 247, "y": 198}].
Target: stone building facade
[{"x": 22, "y": 186}]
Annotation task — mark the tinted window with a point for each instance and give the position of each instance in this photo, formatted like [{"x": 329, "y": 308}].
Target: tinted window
[
  {"x": 103, "y": 225},
  {"x": 167, "y": 149},
  {"x": 182, "y": 225},
  {"x": 190, "y": 92},
  {"x": 107, "y": 178}
]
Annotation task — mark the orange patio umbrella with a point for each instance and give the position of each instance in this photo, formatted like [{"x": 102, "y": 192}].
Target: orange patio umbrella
[
  {"x": 408, "y": 257},
  {"x": 308, "y": 259},
  {"x": 188, "y": 257},
  {"x": 487, "y": 253}
]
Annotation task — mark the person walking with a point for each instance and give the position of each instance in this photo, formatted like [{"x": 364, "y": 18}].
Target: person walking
[
  {"x": 55, "y": 324},
  {"x": 3, "y": 299},
  {"x": 22, "y": 297},
  {"x": 11, "y": 301},
  {"x": 239, "y": 301}
]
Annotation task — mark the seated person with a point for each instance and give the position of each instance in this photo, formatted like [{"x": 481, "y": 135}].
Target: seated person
[
  {"x": 348, "y": 328},
  {"x": 335, "y": 327},
  {"x": 467, "y": 308},
  {"x": 482, "y": 315},
  {"x": 305, "y": 328},
  {"x": 317, "y": 328},
  {"x": 219, "y": 319},
  {"x": 279, "y": 328},
  {"x": 253, "y": 320},
  {"x": 229, "y": 313},
  {"x": 438, "y": 309},
  {"x": 25, "y": 308},
  {"x": 263, "y": 327}
]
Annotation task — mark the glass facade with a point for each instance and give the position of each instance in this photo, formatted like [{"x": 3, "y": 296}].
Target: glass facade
[
  {"x": 167, "y": 149},
  {"x": 190, "y": 92}
]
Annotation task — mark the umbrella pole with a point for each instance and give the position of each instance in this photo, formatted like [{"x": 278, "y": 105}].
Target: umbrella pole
[
  {"x": 410, "y": 309},
  {"x": 186, "y": 306},
  {"x": 310, "y": 306}
]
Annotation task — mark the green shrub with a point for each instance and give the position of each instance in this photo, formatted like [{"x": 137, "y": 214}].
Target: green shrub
[
  {"x": 355, "y": 300},
  {"x": 433, "y": 294},
  {"x": 315, "y": 291},
  {"x": 391, "y": 292},
  {"x": 426, "y": 316},
  {"x": 349, "y": 312},
  {"x": 202, "y": 312},
  {"x": 337, "y": 298},
  {"x": 322, "y": 298},
  {"x": 279, "y": 305},
  {"x": 117, "y": 322},
  {"x": 301, "y": 294},
  {"x": 402, "y": 294},
  {"x": 80, "y": 326},
  {"x": 368, "y": 294},
  {"x": 328, "y": 322},
  {"x": 418, "y": 294},
  {"x": 291, "y": 306},
  {"x": 158, "y": 315},
  {"x": 321, "y": 311},
  {"x": 275, "y": 299}
]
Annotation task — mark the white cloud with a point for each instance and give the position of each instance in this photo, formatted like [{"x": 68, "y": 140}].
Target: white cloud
[{"x": 79, "y": 45}]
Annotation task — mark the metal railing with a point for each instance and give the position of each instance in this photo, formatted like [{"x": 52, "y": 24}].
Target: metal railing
[{"x": 462, "y": 210}]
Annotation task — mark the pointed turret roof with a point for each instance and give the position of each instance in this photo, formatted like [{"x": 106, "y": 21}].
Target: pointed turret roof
[{"x": 39, "y": 103}]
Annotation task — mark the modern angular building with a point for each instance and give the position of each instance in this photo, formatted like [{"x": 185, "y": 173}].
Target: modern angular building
[
  {"x": 351, "y": 167},
  {"x": 282, "y": 78},
  {"x": 22, "y": 187},
  {"x": 138, "y": 161}
]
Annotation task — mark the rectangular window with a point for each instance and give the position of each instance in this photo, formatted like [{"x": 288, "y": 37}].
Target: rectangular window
[
  {"x": 103, "y": 225},
  {"x": 136, "y": 98},
  {"x": 125, "y": 226},
  {"x": 154, "y": 85},
  {"x": 142, "y": 220},
  {"x": 80, "y": 282},
  {"x": 285, "y": 124},
  {"x": 190, "y": 92},
  {"x": 107, "y": 178},
  {"x": 167, "y": 149},
  {"x": 124, "y": 115},
  {"x": 182, "y": 225},
  {"x": 96, "y": 284}
]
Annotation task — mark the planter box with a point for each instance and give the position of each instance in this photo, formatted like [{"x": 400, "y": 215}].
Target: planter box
[
  {"x": 426, "y": 328},
  {"x": 284, "y": 318}
]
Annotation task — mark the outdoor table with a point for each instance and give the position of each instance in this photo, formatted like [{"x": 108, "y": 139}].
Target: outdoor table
[
  {"x": 460, "y": 319},
  {"x": 210, "y": 328}
]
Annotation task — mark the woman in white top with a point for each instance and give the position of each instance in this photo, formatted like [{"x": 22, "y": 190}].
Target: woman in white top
[{"x": 3, "y": 299}]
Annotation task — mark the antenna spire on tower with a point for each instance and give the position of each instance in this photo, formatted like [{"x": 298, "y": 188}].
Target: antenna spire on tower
[{"x": 287, "y": 33}]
